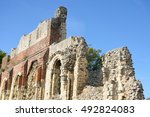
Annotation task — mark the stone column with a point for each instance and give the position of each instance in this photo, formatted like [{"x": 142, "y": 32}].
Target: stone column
[
  {"x": 8, "y": 87},
  {"x": 12, "y": 87},
  {"x": 63, "y": 83},
  {"x": 38, "y": 83},
  {"x": 22, "y": 88},
  {"x": 19, "y": 82},
  {"x": 64, "y": 87},
  {"x": 2, "y": 89},
  {"x": 69, "y": 85},
  {"x": 48, "y": 85},
  {"x": 53, "y": 85},
  {"x": 80, "y": 76}
]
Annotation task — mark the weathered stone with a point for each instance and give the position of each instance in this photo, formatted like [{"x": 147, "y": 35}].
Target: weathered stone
[
  {"x": 46, "y": 65},
  {"x": 122, "y": 75}
]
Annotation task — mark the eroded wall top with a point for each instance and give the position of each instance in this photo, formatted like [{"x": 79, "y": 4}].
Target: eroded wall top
[
  {"x": 43, "y": 30},
  {"x": 32, "y": 38},
  {"x": 119, "y": 77}
]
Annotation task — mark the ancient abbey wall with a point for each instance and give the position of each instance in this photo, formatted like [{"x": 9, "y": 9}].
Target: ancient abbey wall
[
  {"x": 66, "y": 71},
  {"x": 115, "y": 80},
  {"x": 32, "y": 38},
  {"x": 32, "y": 48},
  {"x": 119, "y": 76},
  {"x": 46, "y": 65}
]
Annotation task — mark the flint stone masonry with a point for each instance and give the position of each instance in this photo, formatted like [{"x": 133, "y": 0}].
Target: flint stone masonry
[
  {"x": 46, "y": 65},
  {"x": 119, "y": 76},
  {"x": 115, "y": 80}
]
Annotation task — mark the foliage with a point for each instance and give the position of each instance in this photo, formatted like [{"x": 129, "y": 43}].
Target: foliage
[
  {"x": 94, "y": 59},
  {"x": 2, "y": 54}
]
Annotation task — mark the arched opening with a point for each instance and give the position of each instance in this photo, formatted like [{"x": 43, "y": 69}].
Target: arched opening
[
  {"x": 56, "y": 78},
  {"x": 30, "y": 91}
]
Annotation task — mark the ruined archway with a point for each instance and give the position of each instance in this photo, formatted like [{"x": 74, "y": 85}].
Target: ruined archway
[
  {"x": 56, "y": 80},
  {"x": 60, "y": 77},
  {"x": 15, "y": 88},
  {"x": 31, "y": 81}
]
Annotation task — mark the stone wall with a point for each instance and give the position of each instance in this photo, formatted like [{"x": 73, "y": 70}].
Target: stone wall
[
  {"x": 119, "y": 77},
  {"x": 115, "y": 80},
  {"x": 71, "y": 70},
  {"x": 19, "y": 70},
  {"x": 32, "y": 38},
  {"x": 46, "y": 65},
  {"x": 55, "y": 28}
]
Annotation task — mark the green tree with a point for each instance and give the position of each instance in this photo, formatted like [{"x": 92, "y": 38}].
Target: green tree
[
  {"x": 2, "y": 54},
  {"x": 94, "y": 59}
]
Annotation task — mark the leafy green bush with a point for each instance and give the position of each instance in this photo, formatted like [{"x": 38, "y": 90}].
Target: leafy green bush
[
  {"x": 2, "y": 54},
  {"x": 94, "y": 59}
]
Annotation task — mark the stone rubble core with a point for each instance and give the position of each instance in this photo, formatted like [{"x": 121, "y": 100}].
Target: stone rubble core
[
  {"x": 45, "y": 65},
  {"x": 115, "y": 80}
]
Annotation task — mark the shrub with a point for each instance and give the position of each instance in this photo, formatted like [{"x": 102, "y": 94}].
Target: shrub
[
  {"x": 2, "y": 54},
  {"x": 94, "y": 59}
]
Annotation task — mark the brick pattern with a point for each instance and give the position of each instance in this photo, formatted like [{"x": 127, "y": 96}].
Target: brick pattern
[{"x": 21, "y": 63}]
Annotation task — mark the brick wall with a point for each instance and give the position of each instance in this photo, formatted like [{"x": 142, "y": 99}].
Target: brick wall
[{"x": 43, "y": 44}]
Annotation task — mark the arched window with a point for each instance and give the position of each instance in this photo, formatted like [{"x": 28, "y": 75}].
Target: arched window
[{"x": 56, "y": 77}]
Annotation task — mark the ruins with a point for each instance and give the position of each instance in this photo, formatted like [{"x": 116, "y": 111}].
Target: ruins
[{"x": 45, "y": 65}]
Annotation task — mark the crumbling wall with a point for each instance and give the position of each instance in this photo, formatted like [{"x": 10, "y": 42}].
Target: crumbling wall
[
  {"x": 60, "y": 16},
  {"x": 94, "y": 86},
  {"x": 31, "y": 82},
  {"x": 18, "y": 81},
  {"x": 115, "y": 80},
  {"x": 32, "y": 38},
  {"x": 71, "y": 54},
  {"x": 46, "y": 65},
  {"x": 21, "y": 82},
  {"x": 119, "y": 77},
  {"x": 54, "y": 29}
]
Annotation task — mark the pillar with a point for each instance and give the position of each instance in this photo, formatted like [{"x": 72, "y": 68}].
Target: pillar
[
  {"x": 38, "y": 83},
  {"x": 63, "y": 77},
  {"x": 2, "y": 89},
  {"x": 48, "y": 85}
]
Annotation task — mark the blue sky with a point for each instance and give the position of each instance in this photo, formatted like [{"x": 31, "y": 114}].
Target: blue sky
[{"x": 105, "y": 24}]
